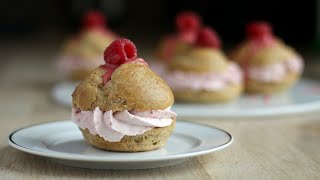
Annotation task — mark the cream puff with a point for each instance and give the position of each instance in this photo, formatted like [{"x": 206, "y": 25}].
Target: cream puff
[
  {"x": 123, "y": 105},
  {"x": 202, "y": 73},
  {"x": 268, "y": 64},
  {"x": 187, "y": 24},
  {"x": 82, "y": 52}
]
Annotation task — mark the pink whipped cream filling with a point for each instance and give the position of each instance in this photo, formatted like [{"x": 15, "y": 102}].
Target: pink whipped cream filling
[
  {"x": 276, "y": 72},
  {"x": 67, "y": 64},
  {"x": 114, "y": 126},
  {"x": 180, "y": 80}
]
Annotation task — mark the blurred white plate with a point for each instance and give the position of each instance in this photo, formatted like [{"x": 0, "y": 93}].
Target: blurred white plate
[
  {"x": 61, "y": 93},
  {"x": 62, "y": 141},
  {"x": 303, "y": 97}
]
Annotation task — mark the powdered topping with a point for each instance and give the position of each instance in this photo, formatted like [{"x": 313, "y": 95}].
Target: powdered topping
[
  {"x": 114, "y": 126},
  {"x": 119, "y": 52}
]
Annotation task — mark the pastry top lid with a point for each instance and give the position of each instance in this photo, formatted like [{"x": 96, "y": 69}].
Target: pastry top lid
[
  {"x": 200, "y": 60},
  {"x": 261, "y": 47},
  {"x": 204, "y": 55},
  {"x": 124, "y": 83}
]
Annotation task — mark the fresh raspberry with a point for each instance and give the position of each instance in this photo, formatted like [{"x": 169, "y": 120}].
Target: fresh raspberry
[
  {"x": 188, "y": 21},
  {"x": 207, "y": 37},
  {"x": 94, "y": 19},
  {"x": 119, "y": 51},
  {"x": 259, "y": 30}
]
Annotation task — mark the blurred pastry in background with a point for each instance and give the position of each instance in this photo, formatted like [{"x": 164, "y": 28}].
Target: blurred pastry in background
[
  {"x": 83, "y": 51},
  {"x": 269, "y": 65},
  {"x": 202, "y": 73},
  {"x": 187, "y": 24},
  {"x": 122, "y": 105}
]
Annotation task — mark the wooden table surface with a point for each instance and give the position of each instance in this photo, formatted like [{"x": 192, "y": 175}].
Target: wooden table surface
[{"x": 286, "y": 147}]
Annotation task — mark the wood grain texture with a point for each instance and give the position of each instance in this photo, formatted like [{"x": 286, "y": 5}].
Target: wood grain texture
[{"x": 286, "y": 147}]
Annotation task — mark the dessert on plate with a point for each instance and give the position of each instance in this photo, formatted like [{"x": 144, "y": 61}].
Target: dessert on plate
[
  {"x": 202, "y": 73},
  {"x": 82, "y": 52},
  {"x": 269, "y": 65},
  {"x": 123, "y": 105}
]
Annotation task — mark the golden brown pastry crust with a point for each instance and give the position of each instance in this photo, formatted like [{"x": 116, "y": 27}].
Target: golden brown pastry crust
[
  {"x": 150, "y": 140},
  {"x": 274, "y": 53},
  {"x": 132, "y": 86},
  {"x": 200, "y": 60},
  {"x": 204, "y": 96},
  {"x": 253, "y": 86}
]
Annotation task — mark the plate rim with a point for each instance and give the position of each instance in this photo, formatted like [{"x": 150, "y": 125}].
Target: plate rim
[
  {"x": 258, "y": 112},
  {"x": 77, "y": 157}
]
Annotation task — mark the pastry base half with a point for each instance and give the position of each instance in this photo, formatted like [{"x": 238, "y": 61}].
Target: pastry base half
[
  {"x": 147, "y": 141},
  {"x": 204, "y": 96},
  {"x": 253, "y": 86}
]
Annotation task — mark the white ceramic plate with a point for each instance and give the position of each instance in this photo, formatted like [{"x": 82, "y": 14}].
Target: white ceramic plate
[
  {"x": 303, "y": 97},
  {"x": 63, "y": 142}
]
